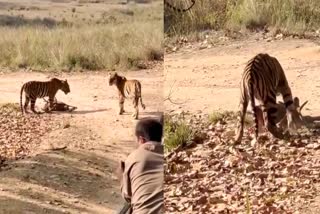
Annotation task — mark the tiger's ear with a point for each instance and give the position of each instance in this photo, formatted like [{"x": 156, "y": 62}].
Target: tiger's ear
[{"x": 66, "y": 80}]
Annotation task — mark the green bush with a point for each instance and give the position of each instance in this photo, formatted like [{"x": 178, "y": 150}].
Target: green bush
[{"x": 176, "y": 133}]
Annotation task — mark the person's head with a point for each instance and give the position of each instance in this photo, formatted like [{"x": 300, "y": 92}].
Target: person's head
[{"x": 148, "y": 130}]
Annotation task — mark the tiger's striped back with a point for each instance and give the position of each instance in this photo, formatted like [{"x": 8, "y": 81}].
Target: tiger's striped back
[
  {"x": 263, "y": 78},
  {"x": 39, "y": 89},
  {"x": 131, "y": 89}
]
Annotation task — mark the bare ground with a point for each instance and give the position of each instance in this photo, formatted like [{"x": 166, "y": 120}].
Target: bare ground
[
  {"x": 80, "y": 178},
  {"x": 208, "y": 80}
]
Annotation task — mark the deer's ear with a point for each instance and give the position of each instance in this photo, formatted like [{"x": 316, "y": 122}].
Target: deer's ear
[{"x": 301, "y": 107}]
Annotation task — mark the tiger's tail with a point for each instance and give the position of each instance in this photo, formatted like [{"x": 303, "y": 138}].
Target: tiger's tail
[{"x": 21, "y": 91}]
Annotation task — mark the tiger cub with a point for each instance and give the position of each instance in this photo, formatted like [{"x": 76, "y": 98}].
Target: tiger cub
[
  {"x": 263, "y": 78},
  {"x": 38, "y": 89},
  {"x": 127, "y": 89}
]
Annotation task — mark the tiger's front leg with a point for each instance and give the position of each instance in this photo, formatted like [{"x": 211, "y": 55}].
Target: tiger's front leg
[
  {"x": 270, "y": 118},
  {"x": 51, "y": 105},
  {"x": 121, "y": 104}
]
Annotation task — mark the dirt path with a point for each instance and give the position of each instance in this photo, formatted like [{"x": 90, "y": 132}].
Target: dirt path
[
  {"x": 80, "y": 178},
  {"x": 208, "y": 80}
]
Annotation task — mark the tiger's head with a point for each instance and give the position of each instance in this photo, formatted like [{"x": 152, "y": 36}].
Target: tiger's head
[
  {"x": 114, "y": 78},
  {"x": 282, "y": 115},
  {"x": 294, "y": 116},
  {"x": 63, "y": 85}
]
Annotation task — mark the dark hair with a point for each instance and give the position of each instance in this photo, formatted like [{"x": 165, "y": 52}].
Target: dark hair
[{"x": 149, "y": 129}]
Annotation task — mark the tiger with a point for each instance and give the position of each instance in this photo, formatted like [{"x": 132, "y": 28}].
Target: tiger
[
  {"x": 178, "y": 9},
  {"x": 263, "y": 78},
  {"x": 38, "y": 89},
  {"x": 127, "y": 89}
]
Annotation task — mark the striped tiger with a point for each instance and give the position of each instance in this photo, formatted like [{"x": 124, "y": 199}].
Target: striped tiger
[
  {"x": 263, "y": 78},
  {"x": 127, "y": 89},
  {"x": 178, "y": 9},
  {"x": 38, "y": 89}
]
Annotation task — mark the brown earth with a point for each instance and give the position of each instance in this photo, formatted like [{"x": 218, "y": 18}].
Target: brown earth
[
  {"x": 80, "y": 178},
  {"x": 206, "y": 80}
]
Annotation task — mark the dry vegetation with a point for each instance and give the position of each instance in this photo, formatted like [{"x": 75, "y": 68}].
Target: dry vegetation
[
  {"x": 21, "y": 135},
  {"x": 207, "y": 174},
  {"x": 81, "y": 35},
  {"x": 286, "y": 16}
]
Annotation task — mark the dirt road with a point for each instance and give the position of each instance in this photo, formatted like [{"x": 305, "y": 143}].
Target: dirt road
[{"x": 80, "y": 178}]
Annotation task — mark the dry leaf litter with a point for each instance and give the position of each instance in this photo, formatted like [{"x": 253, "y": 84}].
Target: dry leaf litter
[
  {"x": 212, "y": 175},
  {"x": 20, "y": 135}
]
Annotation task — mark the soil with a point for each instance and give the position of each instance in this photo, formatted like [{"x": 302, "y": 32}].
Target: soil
[
  {"x": 203, "y": 80},
  {"x": 78, "y": 178}
]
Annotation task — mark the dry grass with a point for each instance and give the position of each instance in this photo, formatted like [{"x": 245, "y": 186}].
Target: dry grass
[
  {"x": 9, "y": 107},
  {"x": 121, "y": 38},
  {"x": 288, "y": 16}
]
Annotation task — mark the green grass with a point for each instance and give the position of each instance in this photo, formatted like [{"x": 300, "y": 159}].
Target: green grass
[
  {"x": 119, "y": 39},
  {"x": 287, "y": 16},
  {"x": 176, "y": 133},
  {"x": 216, "y": 116},
  {"x": 227, "y": 116}
]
